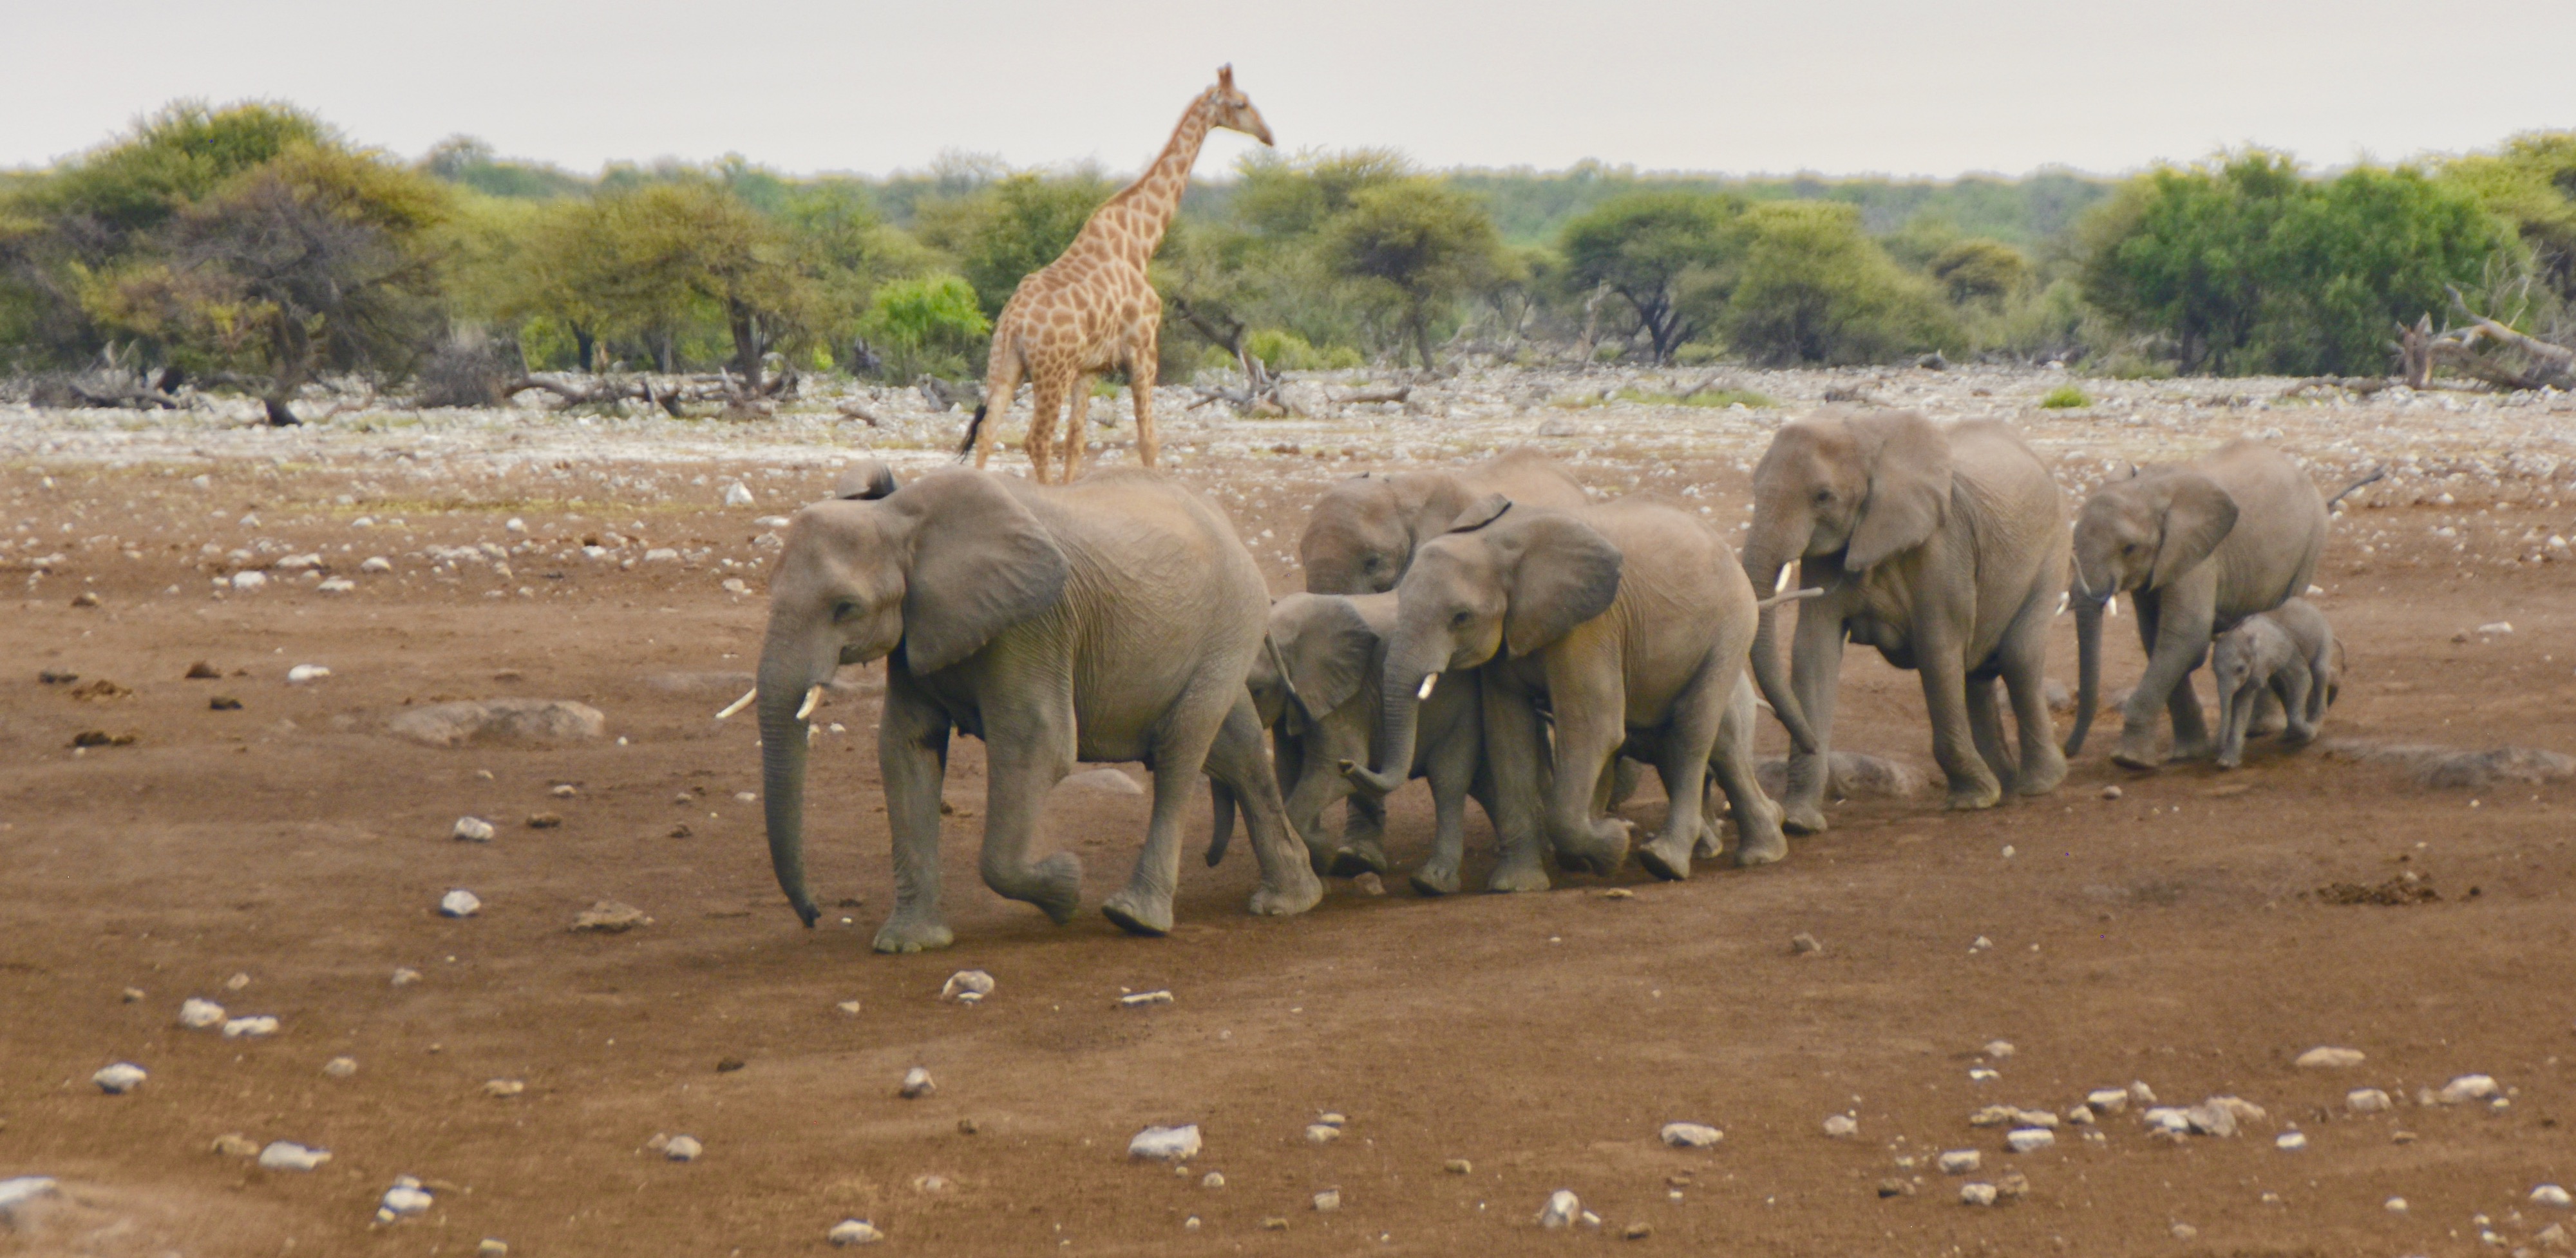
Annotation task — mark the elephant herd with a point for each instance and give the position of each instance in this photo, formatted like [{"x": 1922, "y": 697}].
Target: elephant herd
[{"x": 1502, "y": 634}]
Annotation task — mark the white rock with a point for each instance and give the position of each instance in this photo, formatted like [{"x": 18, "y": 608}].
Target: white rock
[
  {"x": 736, "y": 494},
  {"x": 966, "y": 987},
  {"x": 405, "y": 977},
  {"x": 1322, "y": 1133},
  {"x": 515, "y": 525},
  {"x": 2367, "y": 1101},
  {"x": 2290, "y": 1141},
  {"x": 2080, "y": 1116},
  {"x": 119, "y": 1079},
  {"x": 1841, "y": 1126},
  {"x": 376, "y": 563},
  {"x": 2552, "y": 1196},
  {"x": 661, "y": 554},
  {"x": 250, "y": 580},
  {"x": 1976, "y": 1194},
  {"x": 916, "y": 1084},
  {"x": 1165, "y": 1144},
  {"x": 772, "y": 522},
  {"x": 253, "y": 1027},
  {"x": 1692, "y": 1135},
  {"x": 2107, "y": 1100},
  {"x": 2211, "y": 1120},
  {"x": 1563, "y": 1208},
  {"x": 1138, "y": 1000},
  {"x": 1106, "y": 780},
  {"x": 1961, "y": 1161},
  {"x": 286, "y": 1155},
  {"x": 21, "y": 1190},
  {"x": 406, "y": 1199},
  {"x": 2141, "y": 1093},
  {"x": 2325, "y": 1058},
  {"x": 2035, "y": 1118},
  {"x": 2496, "y": 628},
  {"x": 198, "y": 1014},
  {"x": 1328, "y": 1201},
  {"x": 2167, "y": 1119},
  {"x": 2395, "y": 1205},
  {"x": 337, "y": 585},
  {"x": 2030, "y": 1139},
  {"x": 854, "y": 1232},
  {"x": 340, "y": 1067},
  {"x": 1994, "y": 1116},
  {"x": 1999, "y": 1049},
  {"x": 297, "y": 563},
  {"x": 306, "y": 674},
  {"x": 459, "y": 903},
  {"x": 472, "y": 830},
  {"x": 2468, "y": 1088},
  {"x": 683, "y": 1149},
  {"x": 1983, "y": 1074}
]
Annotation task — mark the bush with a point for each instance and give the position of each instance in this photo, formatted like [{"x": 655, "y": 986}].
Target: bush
[
  {"x": 2065, "y": 397},
  {"x": 1652, "y": 249},
  {"x": 1812, "y": 289},
  {"x": 927, "y": 325},
  {"x": 1987, "y": 271},
  {"x": 1003, "y": 231},
  {"x": 1282, "y": 350}
]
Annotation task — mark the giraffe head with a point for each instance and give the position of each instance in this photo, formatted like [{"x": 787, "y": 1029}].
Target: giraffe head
[{"x": 1232, "y": 110}]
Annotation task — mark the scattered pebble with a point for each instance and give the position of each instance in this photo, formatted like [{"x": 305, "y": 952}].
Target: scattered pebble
[
  {"x": 1334, "y": 1120},
  {"x": 492, "y": 1247},
  {"x": 1977, "y": 1194},
  {"x": 1961, "y": 1161},
  {"x": 119, "y": 1079},
  {"x": 854, "y": 1232},
  {"x": 340, "y": 1067},
  {"x": 1690, "y": 1136},
  {"x": 545, "y": 821},
  {"x": 1999, "y": 1049},
  {"x": 850, "y": 1007},
  {"x": 2290, "y": 1141},
  {"x": 250, "y": 580},
  {"x": 1190, "y": 1224},
  {"x": 1637, "y": 1231},
  {"x": 2080, "y": 1116},
  {"x": 405, "y": 977},
  {"x": 406, "y": 1199},
  {"x": 2035, "y": 1118},
  {"x": 2468, "y": 1088},
  {"x": 498, "y": 1088},
  {"x": 1274, "y": 1223},
  {"x": 375, "y": 564},
  {"x": 131, "y": 995},
  {"x": 1322, "y": 1133},
  {"x": 197, "y": 1014},
  {"x": 2030, "y": 1139},
  {"x": 966, "y": 987},
  {"x": 916, "y": 1084},
  {"x": 610, "y": 917},
  {"x": 2141, "y": 1093},
  {"x": 254, "y": 1027},
  {"x": 2184, "y": 1232},
  {"x": 2110, "y": 792},
  {"x": 286, "y": 1155},
  {"x": 1165, "y": 1144},
  {"x": 1138, "y": 1000},
  {"x": 1328, "y": 1201},
  {"x": 2107, "y": 1100},
  {"x": 472, "y": 830},
  {"x": 306, "y": 674},
  {"x": 1213, "y": 1179},
  {"x": 1983, "y": 1074},
  {"x": 1804, "y": 945},
  {"x": 1841, "y": 1126},
  {"x": 683, "y": 1149},
  {"x": 2324, "y": 1058},
  {"x": 737, "y": 494},
  {"x": 1981, "y": 944},
  {"x": 563, "y": 790},
  {"x": 235, "y": 1145},
  {"x": 2552, "y": 1196},
  {"x": 2367, "y": 1101},
  {"x": 1994, "y": 1116},
  {"x": 1458, "y": 1166},
  {"x": 1368, "y": 883},
  {"x": 20, "y": 1190},
  {"x": 1562, "y": 1209},
  {"x": 2395, "y": 1205},
  {"x": 237, "y": 982}
]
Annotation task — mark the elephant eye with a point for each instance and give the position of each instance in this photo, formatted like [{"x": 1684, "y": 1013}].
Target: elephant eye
[
  {"x": 844, "y": 609},
  {"x": 1461, "y": 620},
  {"x": 1824, "y": 496}
]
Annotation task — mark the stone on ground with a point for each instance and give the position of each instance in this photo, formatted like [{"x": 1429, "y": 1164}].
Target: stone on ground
[{"x": 537, "y": 721}]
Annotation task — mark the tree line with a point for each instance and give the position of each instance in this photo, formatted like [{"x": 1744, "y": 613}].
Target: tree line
[{"x": 254, "y": 246}]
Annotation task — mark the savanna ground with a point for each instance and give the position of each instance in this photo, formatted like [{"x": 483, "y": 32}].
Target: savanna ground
[{"x": 2171, "y": 935}]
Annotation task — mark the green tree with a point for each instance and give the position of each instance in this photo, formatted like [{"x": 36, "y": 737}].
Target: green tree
[
  {"x": 1415, "y": 246},
  {"x": 1812, "y": 288},
  {"x": 1006, "y": 229},
  {"x": 1987, "y": 271},
  {"x": 1651, "y": 249},
  {"x": 927, "y": 324},
  {"x": 2531, "y": 184}
]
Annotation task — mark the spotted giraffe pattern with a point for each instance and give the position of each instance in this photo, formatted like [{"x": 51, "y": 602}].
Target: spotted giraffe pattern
[{"x": 1092, "y": 309}]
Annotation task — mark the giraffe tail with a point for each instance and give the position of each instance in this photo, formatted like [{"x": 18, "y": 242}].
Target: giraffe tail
[{"x": 974, "y": 425}]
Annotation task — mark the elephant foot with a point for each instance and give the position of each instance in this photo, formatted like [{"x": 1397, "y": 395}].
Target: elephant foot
[
  {"x": 2041, "y": 779},
  {"x": 1362, "y": 857},
  {"x": 2196, "y": 749},
  {"x": 2142, "y": 759},
  {"x": 1769, "y": 847},
  {"x": 905, "y": 933},
  {"x": 1604, "y": 854},
  {"x": 1667, "y": 860},
  {"x": 1802, "y": 819},
  {"x": 2296, "y": 737},
  {"x": 1437, "y": 878},
  {"x": 1518, "y": 875},
  {"x": 1139, "y": 912},
  {"x": 1053, "y": 884},
  {"x": 1301, "y": 892},
  {"x": 1973, "y": 796},
  {"x": 2227, "y": 760},
  {"x": 1710, "y": 846}
]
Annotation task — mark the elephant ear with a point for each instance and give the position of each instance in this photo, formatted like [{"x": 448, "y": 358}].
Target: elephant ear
[
  {"x": 1909, "y": 486},
  {"x": 1564, "y": 573},
  {"x": 1327, "y": 649},
  {"x": 865, "y": 481},
  {"x": 981, "y": 562},
  {"x": 1480, "y": 513},
  {"x": 2198, "y": 515}
]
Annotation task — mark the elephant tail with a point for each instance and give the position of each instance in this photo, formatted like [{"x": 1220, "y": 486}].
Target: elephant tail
[
  {"x": 2378, "y": 473},
  {"x": 1221, "y": 799}
]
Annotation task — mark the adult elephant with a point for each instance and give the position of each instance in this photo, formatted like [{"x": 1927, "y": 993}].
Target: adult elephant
[
  {"x": 1108, "y": 620},
  {"x": 1363, "y": 532},
  {"x": 1628, "y": 623},
  {"x": 1942, "y": 547},
  {"x": 2196, "y": 548}
]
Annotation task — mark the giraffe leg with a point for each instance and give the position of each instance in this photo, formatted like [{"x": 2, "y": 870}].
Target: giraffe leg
[
  {"x": 1142, "y": 359},
  {"x": 1049, "y": 397},
  {"x": 1001, "y": 383},
  {"x": 1077, "y": 415}
]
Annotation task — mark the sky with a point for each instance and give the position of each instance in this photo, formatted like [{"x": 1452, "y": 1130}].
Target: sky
[{"x": 1895, "y": 87}]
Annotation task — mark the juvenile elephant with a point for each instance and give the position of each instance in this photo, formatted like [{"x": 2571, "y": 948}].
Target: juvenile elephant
[
  {"x": 1320, "y": 693},
  {"x": 2196, "y": 548},
  {"x": 2289, "y": 653},
  {"x": 1628, "y": 623},
  {"x": 1109, "y": 620},
  {"x": 1943, "y": 548},
  {"x": 1364, "y": 530}
]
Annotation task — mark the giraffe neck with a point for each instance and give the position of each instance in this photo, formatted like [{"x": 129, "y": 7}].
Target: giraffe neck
[{"x": 1143, "y": 210}]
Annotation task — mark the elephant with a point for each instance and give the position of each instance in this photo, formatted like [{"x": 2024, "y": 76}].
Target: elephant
[
  {"x": 1114, "y": 619},
  {"x": 1319, "y": 690},
  {"x": 1364, "y": 530},
  {"x": 1943, "y": 548},
  {"x": 2196, "y": 548},
  {"x": 2289, "y": 652},
  {"x": 1627, "y": 623}
]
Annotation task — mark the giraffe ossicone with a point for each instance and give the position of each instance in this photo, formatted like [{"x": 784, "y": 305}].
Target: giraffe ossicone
[{"x": 1092, "y": 309}]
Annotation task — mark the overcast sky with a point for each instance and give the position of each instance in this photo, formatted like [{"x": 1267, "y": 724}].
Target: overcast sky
[{"x": 1867, "y": 86}]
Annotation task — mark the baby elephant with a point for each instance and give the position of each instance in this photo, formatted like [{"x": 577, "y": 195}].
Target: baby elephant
[{"x": 2288, "y": 652}]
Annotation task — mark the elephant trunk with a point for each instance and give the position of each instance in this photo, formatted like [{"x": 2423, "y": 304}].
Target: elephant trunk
[
  {"x": 1316, "y": 789},
  {"x": 2088, "y": 668},
  {"x": 1408, "y": 678},
  {"x": 784, "y": 685},
  {"x": 1768, "y": 673}
]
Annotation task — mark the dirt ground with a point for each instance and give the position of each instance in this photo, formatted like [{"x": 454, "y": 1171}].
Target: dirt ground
[{"x": 2172, "y": 935}]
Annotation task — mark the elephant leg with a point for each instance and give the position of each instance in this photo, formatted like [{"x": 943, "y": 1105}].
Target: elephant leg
[
  {"x": 1758, "y": 837},
  {"x": 2235, "y": 712},
  {"x": 1986, "y": 726},
  {"x": 912, "y": 760},
  {"x": 2025, "y": 676},
  {"x": 1077, "y": 425},
  {"x": 1513, "y": 756},
  {"x": 2173, "y": 625},
  {"x": 1690, "y": 737},
  {"x": 2192, "y": 738},
  {"x": 1029, "y": 747},
  {"x": 1588, "y": 693},
  {"x": 1288, "y": 882},
  {"x": 2302, "y": 729},
  {"x": 2268, "y": 716},
  {"x": 1452, "y": 766},
  {"x": 1816, "y": 672},
  {"x": 1625, "y": 775},
  {"x": 1954, "y": 748},
  {"x": 1363, "y": 844}
]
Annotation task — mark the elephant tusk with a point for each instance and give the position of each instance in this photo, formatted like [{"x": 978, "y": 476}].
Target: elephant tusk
[
  {"x": 1792, "y": 596},
  {"x": 1781, "y": 586},
  {"x": 1428, "y": 682},
  {"x": 2063, "y": 598},
  {"x": 2112, "y": 605},
  {"x": 813, "y": 698},
  {"x": 738, "y": 704}
]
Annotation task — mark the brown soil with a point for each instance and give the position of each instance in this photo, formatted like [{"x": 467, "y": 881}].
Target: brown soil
[{"x": 2170, "y": 935}]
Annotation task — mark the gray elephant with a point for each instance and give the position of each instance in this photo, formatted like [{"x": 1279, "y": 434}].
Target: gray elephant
[
  {"x": 1113, "y": 619},
  {"x": 1628, "y": 624},
  {"x": 1320, "y": 689},
  {"x": 2196, "y": 548},
  {"x": 2288, "y": 653},
  {"x": 1943, "y": 548},
  {"x": 1364, "y": 530}
]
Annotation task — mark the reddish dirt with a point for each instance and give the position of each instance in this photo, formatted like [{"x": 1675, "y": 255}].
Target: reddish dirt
[{"x": 2171, "y": 935}]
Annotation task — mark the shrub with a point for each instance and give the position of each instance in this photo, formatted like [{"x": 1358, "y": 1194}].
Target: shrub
[
  {"x": 2065, "y": 397},
  {"x": 1813, "y": 289},
  {"x": 1282, "y": 350},
  {"x": 1651, "y": 249},
  {"x": 1988, "y": 271},
  {"x": 930, "y": 324}
]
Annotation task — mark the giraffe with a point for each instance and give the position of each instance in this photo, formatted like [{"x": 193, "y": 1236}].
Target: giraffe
[{"x": 1091, "y": 310}]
